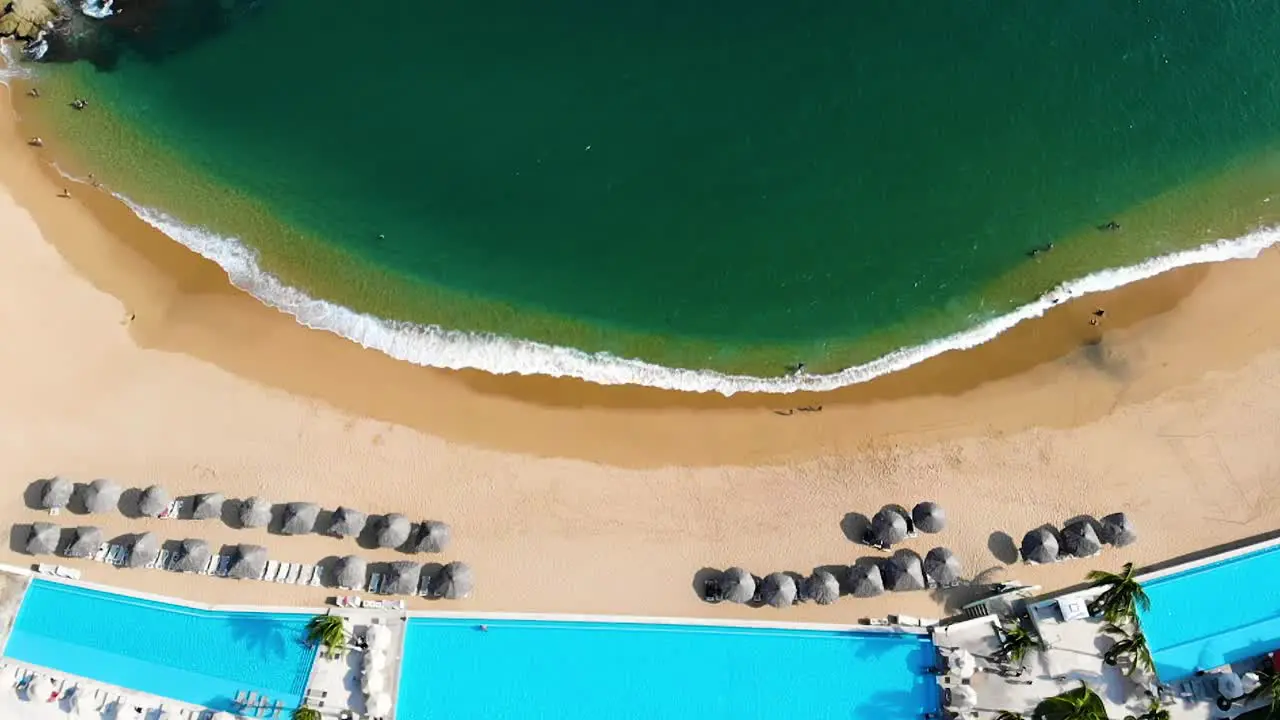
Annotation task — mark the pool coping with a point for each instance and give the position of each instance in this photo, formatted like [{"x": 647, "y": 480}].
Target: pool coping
[
  {"x": 1210, "y": 560},
  {"x": 462, "y": 615}
]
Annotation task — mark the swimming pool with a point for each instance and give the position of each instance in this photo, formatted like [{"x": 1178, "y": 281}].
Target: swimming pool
[
  {"x": 190, "y": 655},
  {"x": 544, "y": 669},
  {"x": 1214, "y": 614}
]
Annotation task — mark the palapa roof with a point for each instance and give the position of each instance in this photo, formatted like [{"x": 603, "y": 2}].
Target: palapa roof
[
  {"x": 866, "y": 580},
  {"x": 822, "y": 587},
  {"x": 249, "y": 563},
  {"x": 1040, "y": 546},
  {"x": 778, "y": 590},
  {"x": 153, "y": 501},
  {"x": 1118, "y": 530},
  {"x": 300, "y": 518},
  {"x": 1079, "y": 539},
  {"x": 85, "y": 541},
  {"x": 942, "y": 567},
  {"x": 351, "y": 572},
  {"x": 193, "y": 556},
  {"x": 888, "y": 527},
  {"x": 208, "y": 506},
  {"x": 347, "y": 522},
  {"x": 402, "y": 578},
  {"x": 453, "y": 582},
  {"x": 929, "y": 517},
  {"x": 903, "y": 572},
  {"x": 101, "y": 496},
  {"x": 146, "y": 548},
  {"x": 43, "y": 538},
  {"x": 393, "y": 530},
  {"x": 255, "y": 512},
  {"x": 56, "y": 493},
  {"x": 737, "y": 585},
  {"x": 433, "y": 536}
]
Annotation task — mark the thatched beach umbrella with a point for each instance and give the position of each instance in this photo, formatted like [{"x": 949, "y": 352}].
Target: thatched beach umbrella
[
  {"x": 778, "y": 590},
  {"x": 903, "y": 572},
  {"x": 145, "y": 550},
  {"x": 1040, "y": 546},
  {"x": 351, "y": 572},
  {"x": 453, "y": 582},
  {"x": 300, "y": 518},
  {"x": 255, "y": 512},
  {"x": 888, "y": 527},
  {"x": 56, "y": 493},
  {"x": 737, "y": 585},
  {"x": 84, "y": 542},
  {"x": 43, "y": 539},
  {"x": 433, "y": 536},
  {"x": 347, "y": 522},
  {"x": 208, "y": 506},
  {"x": 1080, "y": 540},
  {"x": 101, "y": 496},
  {"x": 866, "y": 580},
  {"x": 249, "y": 563},
  {"x": 193, "y": 556},
  {"x": 929, "y": 517},
  {"x": 822, "y": 587},
  {"x": 402, "y": 578},
  {"x": 153, "y": 501},
  {"x": 1118, "y": 530},
  {"x": 393, "y": 530},
  {"x": 942, "y": 567}
]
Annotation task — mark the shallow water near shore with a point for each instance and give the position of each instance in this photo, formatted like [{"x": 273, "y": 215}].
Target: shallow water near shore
[{"x": 709, "y": 199}]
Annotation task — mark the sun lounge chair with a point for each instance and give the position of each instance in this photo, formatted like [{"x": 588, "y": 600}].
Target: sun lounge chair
[
  {"x": 101, "y": 555},
  {"x": 224, "y": 565},
  {"x": 270, "y": 573},
  {"x": 54, "y": 511},
  {"x": 63, "y": 571},
  {"x": 275, "y": 713},
  {"x": 172, "y": 511},
  {"x": 210, "y": 566},
  {"x": 240, "y": 698},
  {"x": 263, "y": 704},
  {"x": 316, "y": 573},
  {"x": 282, "y": 572},
  {"x": 304, "y": 574},
  {"x": 292, "y": 577},
  {"x": 250, "y": 701},
  {"x": 44, "y": 569},
  {"x": 375, "y": 583}
]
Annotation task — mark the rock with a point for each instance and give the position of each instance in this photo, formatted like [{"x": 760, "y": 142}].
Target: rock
[{"x": 24, "y": 19}]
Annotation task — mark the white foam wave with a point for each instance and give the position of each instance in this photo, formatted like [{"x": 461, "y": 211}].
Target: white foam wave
[
  {"x": 12, "y": 67},
  {"x": 439, "y": 347}
]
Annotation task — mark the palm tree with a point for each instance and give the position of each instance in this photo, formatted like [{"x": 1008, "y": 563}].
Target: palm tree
[
  {"x": 306, "y": 713},
  {"x": 328, "y": 630},
  {"x": 1268, "y": 688},
  {"x": 1123, "y": 596},
  {"x": 1018, "y": 641},
  {"x": 1131, "y": 646},
  {"x": 1078, "y": 704}
]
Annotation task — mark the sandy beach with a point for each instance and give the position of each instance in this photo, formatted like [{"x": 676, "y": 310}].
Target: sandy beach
[{"x": 127, "y": 356}]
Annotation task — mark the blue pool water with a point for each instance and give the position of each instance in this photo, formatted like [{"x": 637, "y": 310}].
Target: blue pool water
[
  {"x": 190, "y": 655},
  {"x": 1215, "y": 614},
  {"x": 569, "y": 670}
]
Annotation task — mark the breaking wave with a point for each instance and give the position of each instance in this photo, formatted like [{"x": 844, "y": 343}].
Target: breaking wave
[{"x": 435, "y": 346}]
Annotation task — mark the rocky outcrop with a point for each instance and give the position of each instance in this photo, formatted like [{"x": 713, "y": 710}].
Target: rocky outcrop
[{"x": 27, "y": 19}]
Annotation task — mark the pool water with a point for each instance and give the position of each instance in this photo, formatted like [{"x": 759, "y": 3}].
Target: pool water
[
  {"x": 1215, "y": 614},
  {"x": 204, "y": 658},
  {"x": 567, "y": 670}
]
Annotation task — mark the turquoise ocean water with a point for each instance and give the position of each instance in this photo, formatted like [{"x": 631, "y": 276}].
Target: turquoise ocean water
[{"x": 692, "y": 195}]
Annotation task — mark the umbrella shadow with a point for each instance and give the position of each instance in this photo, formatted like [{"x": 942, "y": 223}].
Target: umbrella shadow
[
  {"x": 276, "y": 525},
  {"x": 324, "y": 520},
  {"x": 700, "y": 579},
  {"x": 77, "y": 504},
  {"x": 18, "y": 535},
  {"x": 130, "y": 503},
  {"x": 1002, "y": 547},
  {"x": 1106, "y": 360},
  {"x": 368, "y": 537},
  {"x": 427, "y": 579},
  {"x": 230, "y": 513},
  {"x": 854, "y": 526},
  {"x": 35, "y": 491},
  {"x": 841, "y": 574}
]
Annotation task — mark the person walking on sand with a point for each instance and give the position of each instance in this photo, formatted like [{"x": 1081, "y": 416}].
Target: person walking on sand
[
  {"x": 65, "y": 193},
  {"x": 1097, "y": 316}
]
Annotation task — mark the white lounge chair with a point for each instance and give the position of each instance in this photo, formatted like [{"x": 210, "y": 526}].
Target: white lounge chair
[
  {"x": 375, "y": 583},
  {"x": 316, "y": 573},
  {"x": 162, "y": 560},
  {"x": 172, "y": 511},
  {"x": 101, "y": 554},
  {"x": 304, "y": 574},
  {"x": 269, "y": 574},
  {"x": 282, "y": 572},
  {"x": 210, "y": 566},
  {"x": 66, "y": 572},
  {"x": 294, "y": 573}
]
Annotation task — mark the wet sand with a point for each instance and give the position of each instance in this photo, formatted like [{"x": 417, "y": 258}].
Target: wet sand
[{"x": 128, "y": 356}]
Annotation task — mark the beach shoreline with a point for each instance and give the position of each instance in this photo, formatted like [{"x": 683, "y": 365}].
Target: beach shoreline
[{"x": 132, "y": 358}]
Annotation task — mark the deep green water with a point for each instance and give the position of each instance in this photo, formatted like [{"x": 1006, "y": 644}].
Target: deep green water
[{"x": 723, "y": 185}]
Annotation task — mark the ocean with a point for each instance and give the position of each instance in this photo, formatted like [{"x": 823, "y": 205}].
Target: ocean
[{"x": 699, "y": 196}]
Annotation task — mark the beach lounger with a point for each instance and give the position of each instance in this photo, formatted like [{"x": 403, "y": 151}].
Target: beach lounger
[
  {"x": 263, "y": 705},
  {"x": 63, "y": 571},
  {"x": 270, "y": 573},
  {"x": 172, "y": 511},
  {"x": 54, "y": 511},
  {"x": 101, "y": 555},
  {"x": 375, "y": 583},
  {"x": 282, "y": 572},
  {"x": 250, "y": 701},
  {"x": 292, "y": 577},
  {"x": 44, "y": 569},
  {"x": 210, "y": 566},
  {"x": 278, "y": 707},
  {"x": 316, "y": 573},
  {"x": 224, "y": 565},
  {"x": 162, "y": 560},
  {"x": 240, "y": 698},
  {"x": 304, "y": 574}
]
